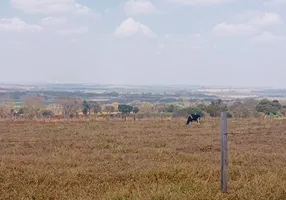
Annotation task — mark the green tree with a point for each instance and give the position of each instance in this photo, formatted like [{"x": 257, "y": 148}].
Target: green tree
[
  {"x": 171, "y": 108},
  {"x": 276, "y": 105},
  {"x": 269, "y": 107},
  {"x": 283, "y": 110},
  {"x": 86, "y": 107},
  {"x": 47, "y": 114},
  {"x": 228, "y": 115},
  {"x": 135, "y": 110},
  {"x": 125, "y": 110},
  {"x": 193, "y": 110}
]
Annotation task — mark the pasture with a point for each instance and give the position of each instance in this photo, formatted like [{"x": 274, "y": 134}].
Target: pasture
[{"x": 145, "y": 159}]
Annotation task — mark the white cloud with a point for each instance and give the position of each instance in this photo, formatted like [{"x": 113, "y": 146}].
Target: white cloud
[
  {"x": 224, "y": 29},
  {"x": 81, "y": 9},
  {"x": 17, "y": 25},
  {"x": 200, "y": 2},
  {"x": 135, "y": 7},
  {"x": 265, "y": 19},
  {"x": 251, "y": 23},
  {"x": 75, "y": 31},
  {"x": 267, "y": 37},
  {"x": 51, "y": 21},
  {"x": 50, "y": 6},
  {"x": 130, "y": 27}
]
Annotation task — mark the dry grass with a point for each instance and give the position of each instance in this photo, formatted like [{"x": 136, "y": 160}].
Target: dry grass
[{"x": 146, "y": 159}]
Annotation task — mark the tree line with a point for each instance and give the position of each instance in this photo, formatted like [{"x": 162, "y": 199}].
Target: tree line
[{"x": 34, "y": 107}]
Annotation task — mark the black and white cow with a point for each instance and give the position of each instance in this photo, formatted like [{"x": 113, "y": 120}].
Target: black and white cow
[{"x": 193, "y": 117}]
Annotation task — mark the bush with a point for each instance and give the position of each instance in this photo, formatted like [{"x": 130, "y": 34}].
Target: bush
[{"x": 229, "y": 115}]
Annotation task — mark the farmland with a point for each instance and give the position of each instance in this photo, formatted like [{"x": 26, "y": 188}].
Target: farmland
[{"x": 145, "y": 159}]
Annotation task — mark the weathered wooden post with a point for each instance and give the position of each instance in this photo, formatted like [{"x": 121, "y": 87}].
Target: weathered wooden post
[{"x": 224, "y": 152}]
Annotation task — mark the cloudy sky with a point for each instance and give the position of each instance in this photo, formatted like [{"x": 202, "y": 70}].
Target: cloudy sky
[{"x": 207, "y": 42}]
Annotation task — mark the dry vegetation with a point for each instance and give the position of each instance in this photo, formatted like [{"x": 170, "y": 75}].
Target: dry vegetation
[{"x": 146, "y": 159}]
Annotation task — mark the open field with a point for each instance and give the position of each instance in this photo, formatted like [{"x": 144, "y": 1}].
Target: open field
[{"x": 146, "y": 159}]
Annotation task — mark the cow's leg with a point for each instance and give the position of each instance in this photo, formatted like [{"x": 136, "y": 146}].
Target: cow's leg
[
  {"x": 188, "y": 121},
  {"x": 198, "y": 120}
]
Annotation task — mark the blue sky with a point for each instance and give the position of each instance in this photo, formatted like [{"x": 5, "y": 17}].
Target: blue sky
[{"x": 207, "y": 42}]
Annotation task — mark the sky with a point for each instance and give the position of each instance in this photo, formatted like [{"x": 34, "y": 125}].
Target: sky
[{"x": 171, "y": 42}]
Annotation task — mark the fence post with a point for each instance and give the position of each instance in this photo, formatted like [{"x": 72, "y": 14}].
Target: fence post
[{"x": 224, "y": 152}]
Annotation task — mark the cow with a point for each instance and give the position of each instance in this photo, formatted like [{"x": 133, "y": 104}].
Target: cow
[{"x": 193, "y": 117}]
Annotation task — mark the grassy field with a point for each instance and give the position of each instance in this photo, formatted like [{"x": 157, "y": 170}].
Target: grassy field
[{"x": 146, "y": 159}]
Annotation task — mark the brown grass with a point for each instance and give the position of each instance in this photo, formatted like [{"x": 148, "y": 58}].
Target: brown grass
[{"x": 148, "y": 159}]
